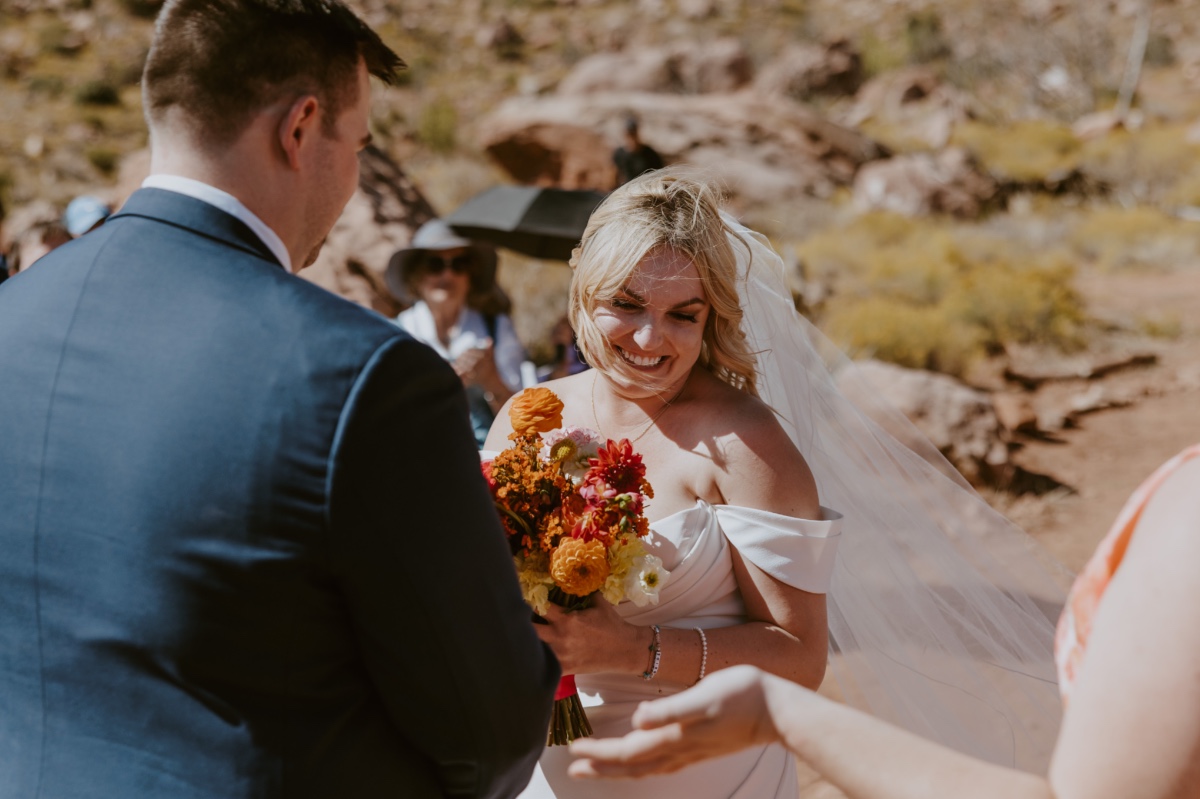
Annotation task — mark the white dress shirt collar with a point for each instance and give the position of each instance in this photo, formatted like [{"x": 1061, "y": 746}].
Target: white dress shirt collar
[{"x": 227, "y": 203}]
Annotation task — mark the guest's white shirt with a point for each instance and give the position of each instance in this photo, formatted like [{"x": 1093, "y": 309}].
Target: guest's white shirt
[
  {"x": 227, "y": 203},
  {"x": 470, "y": 331}
]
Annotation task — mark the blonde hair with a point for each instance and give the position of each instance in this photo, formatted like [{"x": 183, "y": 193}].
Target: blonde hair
[{"x": 675, "y": 209}]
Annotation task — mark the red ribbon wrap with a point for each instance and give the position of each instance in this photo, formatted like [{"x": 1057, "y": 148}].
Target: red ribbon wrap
[{"x": 566, "y": 687}]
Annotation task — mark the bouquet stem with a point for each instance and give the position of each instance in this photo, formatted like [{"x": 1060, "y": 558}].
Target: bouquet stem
[{"x": 567, "y": 719}]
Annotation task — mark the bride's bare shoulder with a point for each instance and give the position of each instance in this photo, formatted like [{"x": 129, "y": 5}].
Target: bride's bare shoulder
[{"x": 760, "y": 466}]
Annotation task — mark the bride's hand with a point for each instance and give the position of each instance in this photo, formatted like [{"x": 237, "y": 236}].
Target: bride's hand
[{"x": 595, "y": 639}]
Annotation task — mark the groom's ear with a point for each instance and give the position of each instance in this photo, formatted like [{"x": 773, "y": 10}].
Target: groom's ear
[{"x": 298, "y": 128}]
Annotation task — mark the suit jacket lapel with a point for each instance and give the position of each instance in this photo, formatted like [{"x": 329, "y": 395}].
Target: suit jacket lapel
[{"x": 198, "y": 216}]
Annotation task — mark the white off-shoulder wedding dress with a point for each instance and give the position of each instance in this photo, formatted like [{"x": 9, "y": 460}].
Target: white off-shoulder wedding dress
[{"x": 694, "y": 545}]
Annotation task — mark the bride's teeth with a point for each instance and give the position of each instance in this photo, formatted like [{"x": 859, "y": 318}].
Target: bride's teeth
[{"x": 637, "y": 361}]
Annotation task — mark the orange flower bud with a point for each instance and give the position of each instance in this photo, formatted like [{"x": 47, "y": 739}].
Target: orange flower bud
[{"x": 535, "y": 410}]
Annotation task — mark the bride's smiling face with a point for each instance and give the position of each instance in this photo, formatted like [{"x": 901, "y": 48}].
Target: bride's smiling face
[{"x": 655, "y": 323}]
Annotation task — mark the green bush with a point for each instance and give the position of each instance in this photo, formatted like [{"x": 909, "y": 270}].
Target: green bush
[
  {"x": 104, "y": 159},
  {"x": 437, "y": 127},
  {"x": 1151, "y": 164},
  {"x": 1033, "y": 151},
  {"x": 142, "y": 8},
  {"x": 97, "y": 92},
  {"x": 1134, "y": 238},
  {"x": 927, "y": 295}
]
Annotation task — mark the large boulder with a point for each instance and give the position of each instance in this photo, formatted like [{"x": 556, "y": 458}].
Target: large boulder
[
  {"x": 958, "y": 420},
  {"x": 761, "y": 149},
  {"x": 552, "y": 154},
  {"x": 946, "y": 182}
]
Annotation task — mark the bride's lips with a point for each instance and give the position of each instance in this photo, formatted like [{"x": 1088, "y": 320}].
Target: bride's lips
[{"x": 641, "y": 362}]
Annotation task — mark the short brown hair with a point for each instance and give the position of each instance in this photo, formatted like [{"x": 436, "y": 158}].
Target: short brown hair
[{"x": 222, "y": 61}]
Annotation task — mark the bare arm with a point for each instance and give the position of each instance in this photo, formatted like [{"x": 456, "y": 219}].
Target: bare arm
[{"x": 1133, "y": 728}]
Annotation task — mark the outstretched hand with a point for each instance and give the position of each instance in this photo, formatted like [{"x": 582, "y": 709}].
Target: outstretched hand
[{"x": 727, "y": 711}]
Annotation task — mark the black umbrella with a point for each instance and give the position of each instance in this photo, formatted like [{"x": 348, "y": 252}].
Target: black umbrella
[{"x": 544, "y": 223}]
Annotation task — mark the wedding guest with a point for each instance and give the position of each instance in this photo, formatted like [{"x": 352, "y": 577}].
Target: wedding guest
[
  {"x": 84, "y": 214},
  {"x": 34, "y": 242},
  {"x": 458, "y": 309},
  {"x": 566, "y": 354},
  {"x": 248, "y": 551},
  {"x": 634, "y": 157},
  {"x": 1129, "y": 663},
  {"x": 701, "y": 364}
]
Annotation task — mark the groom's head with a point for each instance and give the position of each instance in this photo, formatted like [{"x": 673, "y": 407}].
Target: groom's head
[
  {"x": 267, "y": 100},
  {"x": 216, "y": 64}
]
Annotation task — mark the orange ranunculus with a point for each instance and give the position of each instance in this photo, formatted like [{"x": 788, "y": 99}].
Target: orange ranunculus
[
  {"x": 535, "y": 410},
  {"x": 579, "y": 567}
]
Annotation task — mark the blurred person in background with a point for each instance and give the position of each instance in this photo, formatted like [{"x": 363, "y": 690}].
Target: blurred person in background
[
  {"x": 34, "y": 242},
  {"x": 458, "y": 309},
  {"x": 84, "y": 214},
  {"x": 567, "y": 360},
  {"x": 634, "y": 157}
]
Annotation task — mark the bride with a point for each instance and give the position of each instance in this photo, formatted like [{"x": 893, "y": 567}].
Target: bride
[{"x": 701, "y": 362}]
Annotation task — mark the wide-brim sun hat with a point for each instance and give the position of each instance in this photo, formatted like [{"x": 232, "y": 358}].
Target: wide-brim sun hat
[{"x": 433, "y": 236}]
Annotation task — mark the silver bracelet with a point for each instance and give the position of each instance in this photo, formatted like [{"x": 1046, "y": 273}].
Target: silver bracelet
[
  {"x": 703, "y": 652},
  {"x": 656, "y": 651}
]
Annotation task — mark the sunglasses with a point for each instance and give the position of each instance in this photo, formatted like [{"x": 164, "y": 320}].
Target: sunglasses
[{"x": 435, "y": 264}]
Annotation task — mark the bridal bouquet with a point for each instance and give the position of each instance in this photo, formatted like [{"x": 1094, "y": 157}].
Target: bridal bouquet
[{"x": 572, "y": 509}]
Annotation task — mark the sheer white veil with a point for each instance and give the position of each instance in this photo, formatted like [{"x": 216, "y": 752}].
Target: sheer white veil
[{"x": 941, "y": 612}]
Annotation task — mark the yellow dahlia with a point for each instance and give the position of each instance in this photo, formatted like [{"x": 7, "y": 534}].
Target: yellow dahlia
[{"x": 579, "y": 567}]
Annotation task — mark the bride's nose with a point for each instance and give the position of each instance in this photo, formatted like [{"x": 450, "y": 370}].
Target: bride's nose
[{"x": 648, "y": 336}]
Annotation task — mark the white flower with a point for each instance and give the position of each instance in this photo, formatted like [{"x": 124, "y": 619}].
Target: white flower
[
  {"x": 572, "y": 446},
  {"x": 645, "y": 580}
]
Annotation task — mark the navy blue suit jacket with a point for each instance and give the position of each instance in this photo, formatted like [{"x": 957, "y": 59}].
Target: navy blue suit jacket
[{"x": 245, "y": 547}]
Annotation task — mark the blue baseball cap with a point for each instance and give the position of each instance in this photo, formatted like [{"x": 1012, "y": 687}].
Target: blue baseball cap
[{"x": 84, "y": 213}]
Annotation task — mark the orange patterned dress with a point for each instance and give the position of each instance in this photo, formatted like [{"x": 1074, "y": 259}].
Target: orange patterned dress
[{"x": 1075, "y": 624}]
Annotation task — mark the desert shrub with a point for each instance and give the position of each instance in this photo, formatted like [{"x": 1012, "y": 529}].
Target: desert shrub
[
  {"x": 1185, "y": 190},
  {"x": 1165, "y": 326},
  {"x": 1032, "y": 151},
  {"x": 1147, "y": 164},
  {"x": 1134, "y": 238},
  {"x": 437, "y": 126},
  {"x": 142, "y": 8},
  {"x": 104, "y": 159},
  {"x": 924, "y": 37},
  {"x": 1025, "y": 303},
  {"x": 880, "y": 53},
  {"x": 927, "y": 295},
  {"x": 51, "y": 86},
  {"x": 908, "y": 335},
  {"x": 97, "y": 92},
  {"x": 57, "y": 37}
]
